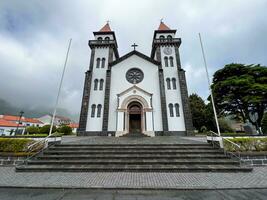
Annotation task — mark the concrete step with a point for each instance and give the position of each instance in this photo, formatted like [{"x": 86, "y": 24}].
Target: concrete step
[
  {"x": 132, "y": 156},
  {"x": 130, "y": 145},
  {"x": 132, "y": 168},
  {"x": 129, "y": 151},
  {"x": 131, "y": 161},
  {"x": 130, "y": 148}
]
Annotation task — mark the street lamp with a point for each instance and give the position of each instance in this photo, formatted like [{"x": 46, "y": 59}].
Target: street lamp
[{"x": 20, "y": 115}]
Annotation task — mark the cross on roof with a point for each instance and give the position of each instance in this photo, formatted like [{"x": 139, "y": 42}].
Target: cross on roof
[{"x": 134, "y": 46}]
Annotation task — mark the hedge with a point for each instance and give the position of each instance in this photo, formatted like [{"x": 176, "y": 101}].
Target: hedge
[
  {"x": 246, "y": 144},
  {"x": 14, "y": 144}
]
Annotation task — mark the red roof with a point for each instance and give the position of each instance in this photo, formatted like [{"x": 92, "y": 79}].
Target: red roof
[
  {"x": 106, "y": 28},
  {"x": 73, "y": 125},
  {"x": 163, "y": 27},
  {"x": 23, "y": 119},
  {"x": 5, "y": 123}
]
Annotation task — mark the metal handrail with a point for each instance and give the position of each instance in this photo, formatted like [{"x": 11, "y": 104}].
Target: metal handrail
[
  {"x": 39, "y": 141},
  {"x": 227, "y": 152}
]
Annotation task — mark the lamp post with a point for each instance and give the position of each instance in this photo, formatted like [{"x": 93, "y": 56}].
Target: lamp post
[{"x": 20, "y": 116}]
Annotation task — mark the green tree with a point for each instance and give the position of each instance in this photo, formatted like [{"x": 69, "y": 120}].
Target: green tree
[
  {"x": 198, "y": 108},
  {"x": 241, "y": 90},
  {"x": 46, "y": 128},
  {"x": 65, "y": 129},
  {"x": 32, "y": 130},
  {"x": 264, "y": 124}
]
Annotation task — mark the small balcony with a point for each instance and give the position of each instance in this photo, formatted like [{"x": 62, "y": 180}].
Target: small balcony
[{"x": 92, "y": 43}]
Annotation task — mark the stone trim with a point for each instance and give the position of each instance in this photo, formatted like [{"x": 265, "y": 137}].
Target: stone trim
[
  {"x": 96, "y": 133},
  {"x": 107, "y": 92},
  {"x": 170, "y": 133},
  {"x": 86, "y": 94},
  {"x": 85, "y": 101},
  {"x": 185, "y": 103},
  {"x": 164, "y": 114}
]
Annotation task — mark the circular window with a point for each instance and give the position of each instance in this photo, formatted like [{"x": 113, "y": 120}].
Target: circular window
[{"x": 134, "y": 75}]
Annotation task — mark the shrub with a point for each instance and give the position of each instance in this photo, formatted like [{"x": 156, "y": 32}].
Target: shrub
[
  {"x": 264, "y": 124},
  {"x": 46, "y": 128},
  {"x": 247, "y": 144},
  {"x": 32, "y": 130},
  {"x": 14, "y": 144},
  {"x": 65, "y": 129},
  {"x": 224, "y": 126}
]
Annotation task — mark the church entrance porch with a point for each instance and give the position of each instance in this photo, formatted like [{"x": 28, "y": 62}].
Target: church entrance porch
[{"x": 134, "y": 113}]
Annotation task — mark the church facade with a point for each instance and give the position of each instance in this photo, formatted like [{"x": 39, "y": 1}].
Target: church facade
[{"x": 135, "y": 93}]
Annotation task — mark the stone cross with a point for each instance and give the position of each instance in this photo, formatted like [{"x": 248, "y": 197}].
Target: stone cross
[{"x": 134, "y": 46}]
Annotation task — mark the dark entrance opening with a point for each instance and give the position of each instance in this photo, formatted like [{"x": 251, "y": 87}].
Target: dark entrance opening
[{"x": 135, "y": 117}]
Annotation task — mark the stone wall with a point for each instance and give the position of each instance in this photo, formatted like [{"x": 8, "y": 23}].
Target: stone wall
[{"x": 11, "y": 160}]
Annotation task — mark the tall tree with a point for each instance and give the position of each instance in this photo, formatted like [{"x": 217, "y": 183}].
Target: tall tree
[
  {"x": 241, "y": 90},
  {"x": 197, "y": 106}
]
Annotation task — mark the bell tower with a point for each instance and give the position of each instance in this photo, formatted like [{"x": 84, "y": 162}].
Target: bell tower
[
  {"x": 95, "y": 102},
  {"x": 176, "y": 114}
]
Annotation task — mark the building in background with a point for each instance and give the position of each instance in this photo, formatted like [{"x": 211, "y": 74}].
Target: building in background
[
  {"x": 9, "y": 124},
  {"x": 59, "y": 120}
]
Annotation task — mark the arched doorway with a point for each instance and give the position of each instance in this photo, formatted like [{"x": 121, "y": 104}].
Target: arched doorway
[{"x": 135, "y": 117}]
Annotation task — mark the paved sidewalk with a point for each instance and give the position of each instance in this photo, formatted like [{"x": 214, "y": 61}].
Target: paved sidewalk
[{"x": 255, "y": 179}]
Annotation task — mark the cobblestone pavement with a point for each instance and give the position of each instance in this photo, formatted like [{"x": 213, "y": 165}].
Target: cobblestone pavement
[
  {"x": 255, "y": 179},
  {"x": 133, "y": 140},
  {"x": 91, "y": 194}
]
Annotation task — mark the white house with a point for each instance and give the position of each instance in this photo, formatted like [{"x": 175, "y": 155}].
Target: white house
[
  {"x": 8, "y": 127},
  {"x": 135, "y": 92},
  {"x": 59, "y": 120}
]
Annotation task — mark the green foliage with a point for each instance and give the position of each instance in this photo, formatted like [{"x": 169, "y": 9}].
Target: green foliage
[
  {"x": 203, "y": 129},
  {"x": 14, "y": 144},
  {"x": 239, "y": 89},
  {"x": 198, "y": 110},
  {"x": 264, "y": 124},
  {"x": 66, "y": 130},
  {"x": 247, "y": 144},
  {"x": 46, "y": 128},
  {"x": 224, "y": 126},
  {"x": 32, "y": 130}
]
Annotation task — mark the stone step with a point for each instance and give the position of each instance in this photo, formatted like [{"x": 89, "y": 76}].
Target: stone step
[
  {"x": 129, "y": 145},
  {"x": 112, "y": 152},
  {"x": 132, "y": 168},
  {"x": 131, "y": 161},
  {"x": 130, "y": 148},
  {"x": 132, "y": 156}
]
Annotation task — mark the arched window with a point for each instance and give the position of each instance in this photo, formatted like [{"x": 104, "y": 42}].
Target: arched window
[
  {"x": 168, "y": 80},
  {"x": 169, "y": 37},
  {"x": 95, "y": 84},
  {"x": 101, "y": 84},
  {"x": 99, "y": 38},
  {"x": 171, "y": 109},
  {"x": 173, "y": 83},
  {"x": 103, "y": 63},
  {"x": 166, "y": 61},
  {"x": 93, "y": 110},
  {"x": 97, "y": 62},
  {"x": 177, "y": 110},
  {"x": 161, "y": 38},
  {"x": 99, "y": 106},
  {"x": 107, "y": 38},
  {"x": 171, "y": 61}
]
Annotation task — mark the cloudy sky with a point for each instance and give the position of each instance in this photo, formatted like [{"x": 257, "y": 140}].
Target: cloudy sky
[{"x": 34, "y": 36}]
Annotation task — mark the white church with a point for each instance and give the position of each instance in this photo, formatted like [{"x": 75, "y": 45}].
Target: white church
[{"x": 135, "y": 93}]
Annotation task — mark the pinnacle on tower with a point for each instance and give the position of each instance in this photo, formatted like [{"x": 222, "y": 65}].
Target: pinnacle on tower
[
  {"x": 105, "y": 28},
  {"x": 163, "y": 27}
]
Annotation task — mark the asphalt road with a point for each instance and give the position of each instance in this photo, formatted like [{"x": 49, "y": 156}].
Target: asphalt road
[{"x": 101, "y": 194}]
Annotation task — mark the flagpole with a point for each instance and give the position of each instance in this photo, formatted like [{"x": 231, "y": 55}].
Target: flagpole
[
  {"x": 211, "y": 95},
  {"x": 59, "y": 89}
]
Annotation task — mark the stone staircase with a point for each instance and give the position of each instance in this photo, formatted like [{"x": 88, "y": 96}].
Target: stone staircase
[{"x": 132, "y": 158}]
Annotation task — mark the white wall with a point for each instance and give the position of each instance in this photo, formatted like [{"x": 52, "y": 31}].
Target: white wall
[
  {"x": 97, "y": 96},
  {"x": 173, "y": 96},
  {"x": 150, "y": 84}
]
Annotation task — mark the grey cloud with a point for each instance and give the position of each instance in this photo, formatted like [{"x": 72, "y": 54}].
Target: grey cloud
[{"x": 34, "y": 36}]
